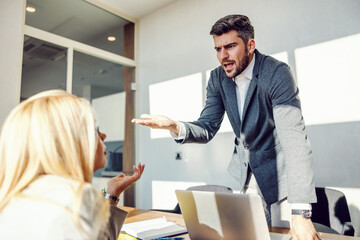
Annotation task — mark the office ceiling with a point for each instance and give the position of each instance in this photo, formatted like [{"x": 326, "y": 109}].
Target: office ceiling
[{"x": 137, "y": 8}]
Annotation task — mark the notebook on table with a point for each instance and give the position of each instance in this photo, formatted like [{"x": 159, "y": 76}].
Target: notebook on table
[
  {"x": 227, "y": 216},
  {"x": 153, "y": 228}
]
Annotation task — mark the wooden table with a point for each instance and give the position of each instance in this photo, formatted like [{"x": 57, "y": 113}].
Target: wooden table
[{"x": 136, "y": 215}]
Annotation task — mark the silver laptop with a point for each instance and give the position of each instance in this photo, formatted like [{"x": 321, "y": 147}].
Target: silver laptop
[{"x": 227, "y": 216}]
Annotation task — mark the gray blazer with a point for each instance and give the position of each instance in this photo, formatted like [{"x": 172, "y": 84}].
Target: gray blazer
[{"x": 270, "y": 136}]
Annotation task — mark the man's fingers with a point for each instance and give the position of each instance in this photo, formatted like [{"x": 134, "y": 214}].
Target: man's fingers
[
  {"x": 148, "y": 123},
  {"x": 146, "y": 116},
  {"x": 137, "y": 120}
]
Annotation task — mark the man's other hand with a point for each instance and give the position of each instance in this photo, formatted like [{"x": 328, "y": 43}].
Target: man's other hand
[{"x": 303, "y": 229}]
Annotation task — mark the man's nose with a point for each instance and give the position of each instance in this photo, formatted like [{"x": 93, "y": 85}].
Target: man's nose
[{"x": 223, "y": 54}]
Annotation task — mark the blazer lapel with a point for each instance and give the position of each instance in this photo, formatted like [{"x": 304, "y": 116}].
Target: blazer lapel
[
  {"x": 253, "y": 83},
  {"x": 229, "y": 88},
  {"x": 249, "y": 94}
]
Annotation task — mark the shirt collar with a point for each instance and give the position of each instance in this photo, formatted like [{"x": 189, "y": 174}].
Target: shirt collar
[{"x": 248, "y": 72}]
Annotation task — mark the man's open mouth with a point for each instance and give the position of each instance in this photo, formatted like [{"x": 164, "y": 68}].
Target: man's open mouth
[{"x": 228, "y": 65}]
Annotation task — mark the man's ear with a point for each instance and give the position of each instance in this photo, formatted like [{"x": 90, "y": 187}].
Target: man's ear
[{"x": 251, "y": 46}]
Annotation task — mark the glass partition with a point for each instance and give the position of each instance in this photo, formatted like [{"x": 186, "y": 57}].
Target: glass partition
[
  {"x": 84, "y": 31},
  {"x": 95, "y": 77},
  {"x": 101, "y": 82},
  {"x": 80, "y": 21},
  {"x": 44, "y": 67}
]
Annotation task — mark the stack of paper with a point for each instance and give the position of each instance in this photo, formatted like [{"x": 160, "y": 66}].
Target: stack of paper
[{"x": 153, "y": 228}]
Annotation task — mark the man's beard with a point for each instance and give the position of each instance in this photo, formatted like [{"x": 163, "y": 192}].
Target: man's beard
[{"x": 242, "y": 65}]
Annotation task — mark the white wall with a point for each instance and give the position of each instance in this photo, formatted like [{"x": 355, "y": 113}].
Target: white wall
[
  {"x": 11, "y": 42},
  {"x": 174, "y": 42}
]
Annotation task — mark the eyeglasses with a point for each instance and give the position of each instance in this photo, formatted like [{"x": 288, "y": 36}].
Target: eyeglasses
[{"x": 97, "y": 132}]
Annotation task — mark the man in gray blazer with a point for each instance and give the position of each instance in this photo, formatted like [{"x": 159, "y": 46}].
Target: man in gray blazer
[{"x": 260, "y": 97}]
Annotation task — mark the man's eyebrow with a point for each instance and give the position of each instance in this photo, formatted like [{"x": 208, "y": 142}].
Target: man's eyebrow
[{"x": 227, "y": 45}]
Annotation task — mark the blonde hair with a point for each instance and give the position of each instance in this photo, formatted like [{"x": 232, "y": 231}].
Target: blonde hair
[{"x": 54, "y": 133}]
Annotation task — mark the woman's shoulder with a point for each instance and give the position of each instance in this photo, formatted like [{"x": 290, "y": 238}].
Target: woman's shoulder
[
  {"x": 46, "y": 208},
  {"x": 59, "y": 189}
]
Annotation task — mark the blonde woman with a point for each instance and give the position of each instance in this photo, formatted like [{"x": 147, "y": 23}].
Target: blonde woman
[{"x": 49, "y": 149}]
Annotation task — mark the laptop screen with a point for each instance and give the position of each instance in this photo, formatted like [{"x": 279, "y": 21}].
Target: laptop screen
[{"x": 214, "y": 215}]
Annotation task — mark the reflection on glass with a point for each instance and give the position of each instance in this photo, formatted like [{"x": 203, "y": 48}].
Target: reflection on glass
[
  {"x": 101, "y": 82},
  {"x": 95, "y": 77},
  {"x": 80, "y": 21},
  {"x": 44, "y": 67},
  {"x": 110, "y": 112}
]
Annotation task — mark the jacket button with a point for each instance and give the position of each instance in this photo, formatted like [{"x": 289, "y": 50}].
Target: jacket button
[
  {"x": 245, "y": 164},
  {"x": 246, "y": 146}
]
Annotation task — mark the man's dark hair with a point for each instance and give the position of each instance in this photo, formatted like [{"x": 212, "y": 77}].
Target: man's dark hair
[{"x": 239, "y": 23}]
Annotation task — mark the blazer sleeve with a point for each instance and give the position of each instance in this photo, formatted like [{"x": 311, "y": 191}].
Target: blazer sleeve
[
  {"x": 205, "y": 128},
  {"x": 113, "y": 227},
  {"x": 106, "y": 227},
  {"x": 290, "y": 127}
]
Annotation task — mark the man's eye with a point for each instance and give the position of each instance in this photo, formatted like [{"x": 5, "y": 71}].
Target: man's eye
[{"x": 217, "y": 49}]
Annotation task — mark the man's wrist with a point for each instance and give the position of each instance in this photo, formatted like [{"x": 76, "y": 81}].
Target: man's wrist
[
  {"x": 175, "y": 128},
  {"x": 302, "y": 212},
  {"x": 180, "y": 135},
  {"x": 301, "y": 209}
]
